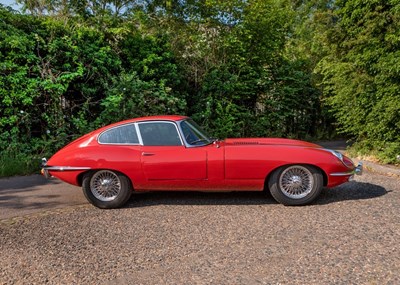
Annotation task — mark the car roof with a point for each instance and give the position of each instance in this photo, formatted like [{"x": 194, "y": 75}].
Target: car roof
[
  {"x": 144, "y": 119},
  {"x": 160, "y": 118}
]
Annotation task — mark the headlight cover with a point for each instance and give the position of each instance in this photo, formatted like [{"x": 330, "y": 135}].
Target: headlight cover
[{"x": 336, "y": 153}]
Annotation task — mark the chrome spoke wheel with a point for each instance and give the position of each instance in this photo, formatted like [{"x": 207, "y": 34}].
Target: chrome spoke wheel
[
  {"x": 105, "y": 185},
  {"x": 296, "y": 182}
]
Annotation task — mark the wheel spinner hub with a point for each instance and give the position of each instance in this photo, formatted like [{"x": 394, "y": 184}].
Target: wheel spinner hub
[
  {"x": 105, "y": 185},
  {"x": 295, "y": 181}
]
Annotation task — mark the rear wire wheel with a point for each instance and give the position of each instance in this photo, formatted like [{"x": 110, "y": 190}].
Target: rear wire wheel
[
  {"x": 106, "y": 189},
  {"x": 295, "y": 184}
]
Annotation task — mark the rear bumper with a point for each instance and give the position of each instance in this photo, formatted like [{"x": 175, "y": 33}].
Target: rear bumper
[
  {"x": 46, "y": 169},
  {"x": 45, "y": 173}
]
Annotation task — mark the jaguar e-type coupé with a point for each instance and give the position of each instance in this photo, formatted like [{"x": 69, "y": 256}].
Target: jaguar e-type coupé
[{"x": 170, "y": 153}]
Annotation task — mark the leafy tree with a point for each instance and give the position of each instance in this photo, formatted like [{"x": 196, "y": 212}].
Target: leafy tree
[
  {"x": 84, "y": 8},
  {"x": 361, "y": 73},
  {"x": 130, "y": 97},
  {"x": 18, "y": 88}
]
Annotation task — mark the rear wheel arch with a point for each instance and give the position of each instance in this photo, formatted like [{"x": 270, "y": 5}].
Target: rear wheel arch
[
  {"x": 106, "y": 188},
  {"x": 80, "y": 176}
]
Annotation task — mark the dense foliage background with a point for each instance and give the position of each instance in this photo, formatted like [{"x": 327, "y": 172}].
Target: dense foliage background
[{"x": 292, "y": 68}]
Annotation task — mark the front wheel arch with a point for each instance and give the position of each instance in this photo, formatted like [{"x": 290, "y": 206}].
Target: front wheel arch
[{"x": 324, "y": 175}]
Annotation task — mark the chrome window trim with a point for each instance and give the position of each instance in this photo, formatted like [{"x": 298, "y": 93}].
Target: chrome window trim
[
  {"x": 115, "y": 127},
  {"x": 160, "y": 121},
  {"x": 139, "y": 134},
  {"x": 119, "y": 143}
]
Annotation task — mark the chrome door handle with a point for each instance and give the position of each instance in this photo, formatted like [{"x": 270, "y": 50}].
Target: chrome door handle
[{"x": 147, "y": 154}]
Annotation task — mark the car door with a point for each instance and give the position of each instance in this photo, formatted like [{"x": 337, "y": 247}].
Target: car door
[{"x": 164, "y": 156}]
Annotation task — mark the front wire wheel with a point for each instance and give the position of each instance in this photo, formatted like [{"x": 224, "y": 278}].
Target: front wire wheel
[
  {"x": 106, "y": 189},
  {"x": 295, "y": 184}
]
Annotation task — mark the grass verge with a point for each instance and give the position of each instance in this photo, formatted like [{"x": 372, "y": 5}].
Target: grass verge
[
  {"x": 12, "y": 164},
  {"x": 381, "y": 152}
]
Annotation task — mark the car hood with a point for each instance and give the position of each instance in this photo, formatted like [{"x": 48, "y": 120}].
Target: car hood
[{"x": 270, "y": 141}]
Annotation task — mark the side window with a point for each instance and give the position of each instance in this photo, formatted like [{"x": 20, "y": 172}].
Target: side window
[
  {"x": 188, "y": 133},
  {"x": 120, "y": 135},
  {"x": 159, "y": 134}
]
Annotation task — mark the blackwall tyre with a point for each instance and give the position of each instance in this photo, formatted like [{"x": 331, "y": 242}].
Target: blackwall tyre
[
  {"x": 106, "y": 189},
  {"x": 295, "y": 184}
]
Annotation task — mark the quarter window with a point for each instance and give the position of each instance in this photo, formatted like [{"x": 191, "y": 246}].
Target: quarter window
[
  {"x": 159, "y": 134},
  {"x": 193, "y": 134},
  {"x": 120, "y": 135}
]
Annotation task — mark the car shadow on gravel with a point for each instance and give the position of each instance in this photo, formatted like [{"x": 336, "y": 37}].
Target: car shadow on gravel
[
  {"x": 18, "y": 192},
  {"x": 351, "y": 191},
  {"x": 23, "y": 182},
  {"x": 24, "y": 195},
  {"x": 199, "y": 198},
  {"x": 346, "y": 192}
]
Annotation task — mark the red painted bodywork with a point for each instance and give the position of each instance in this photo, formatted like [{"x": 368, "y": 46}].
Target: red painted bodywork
[{"x": 229, "y": 165}]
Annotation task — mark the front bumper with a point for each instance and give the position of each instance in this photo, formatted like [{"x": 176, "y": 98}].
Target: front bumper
[{"x": 358, "y": 170}]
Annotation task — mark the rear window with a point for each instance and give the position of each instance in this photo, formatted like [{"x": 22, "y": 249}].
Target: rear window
[{"x": 125, "y": 134}]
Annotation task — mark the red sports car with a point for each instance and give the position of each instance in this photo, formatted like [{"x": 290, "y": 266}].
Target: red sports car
[{"x": 174, "y": 153}]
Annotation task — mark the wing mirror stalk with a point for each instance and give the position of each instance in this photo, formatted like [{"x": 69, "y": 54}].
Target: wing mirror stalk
[{"x": 216, "y": 143}]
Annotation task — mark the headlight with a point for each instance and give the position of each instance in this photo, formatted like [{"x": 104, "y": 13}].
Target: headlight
[
  {"x": 343, "y": 159},
  {"x": 336, "y": 153}
]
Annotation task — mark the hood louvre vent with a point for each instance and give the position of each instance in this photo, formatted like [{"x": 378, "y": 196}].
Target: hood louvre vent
[{"x": 244, "y": 143}]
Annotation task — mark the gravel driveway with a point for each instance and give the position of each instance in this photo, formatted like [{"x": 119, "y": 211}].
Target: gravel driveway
[{"x": 349, "y": 236}]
